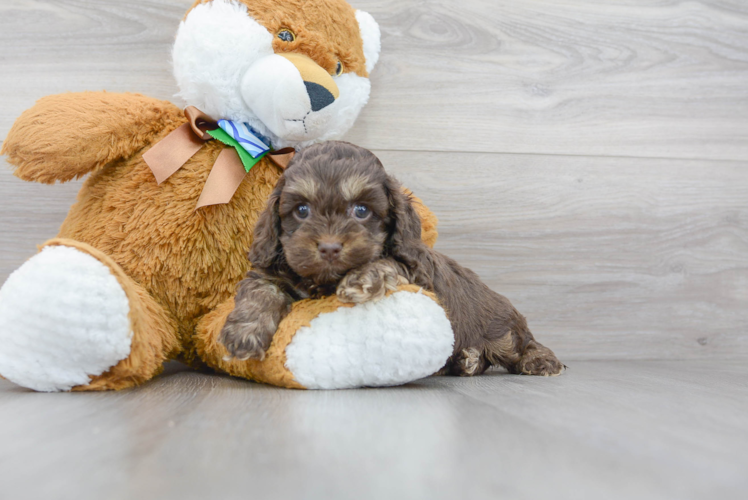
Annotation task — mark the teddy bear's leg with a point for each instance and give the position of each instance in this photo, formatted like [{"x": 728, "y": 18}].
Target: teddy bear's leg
[
  {"x": 271, "y": 370},
  {"x": 328, "y": 344},
  {"x": 71, "y": 319}
]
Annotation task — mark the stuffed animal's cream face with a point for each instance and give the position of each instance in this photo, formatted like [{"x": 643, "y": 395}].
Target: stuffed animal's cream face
[{"x": 295, "y": 70}]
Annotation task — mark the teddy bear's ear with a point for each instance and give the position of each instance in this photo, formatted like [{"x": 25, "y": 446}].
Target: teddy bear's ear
[{"x": 371, "y": 36}]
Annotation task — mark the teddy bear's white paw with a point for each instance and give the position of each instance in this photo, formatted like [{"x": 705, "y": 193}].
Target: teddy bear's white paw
[
  {"x": 403, "y": 337},
  {"x": 63, "y": 318}
]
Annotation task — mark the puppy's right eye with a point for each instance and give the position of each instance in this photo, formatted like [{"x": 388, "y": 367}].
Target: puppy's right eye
[
  {"x": 303, "y": 211},
  {"x": 361, "y": 211}
]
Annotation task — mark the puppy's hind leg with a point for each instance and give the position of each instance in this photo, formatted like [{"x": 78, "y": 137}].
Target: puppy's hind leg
[{"x": 518, "y": 351}]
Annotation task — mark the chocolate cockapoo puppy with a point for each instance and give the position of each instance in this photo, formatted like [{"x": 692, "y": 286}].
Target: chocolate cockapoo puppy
[{"x": 337, "y": 223}]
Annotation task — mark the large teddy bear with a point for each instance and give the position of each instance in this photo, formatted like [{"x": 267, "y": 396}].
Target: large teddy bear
[{"x": 145, "y": 266}]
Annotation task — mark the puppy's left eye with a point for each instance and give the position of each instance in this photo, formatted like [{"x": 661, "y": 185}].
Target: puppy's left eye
[
  {"x": 302, "y": 211},
  {"x": 339, "y": 69},
  {"x": 361, "y": 211}
]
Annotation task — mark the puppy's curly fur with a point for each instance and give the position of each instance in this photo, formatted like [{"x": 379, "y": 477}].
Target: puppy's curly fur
[{"x": 337, "y": 223}]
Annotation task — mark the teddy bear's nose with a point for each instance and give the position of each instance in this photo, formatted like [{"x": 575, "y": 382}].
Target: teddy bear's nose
[
  {"x": 320, "y": 85},
  {"x": 319, "y": 96}
]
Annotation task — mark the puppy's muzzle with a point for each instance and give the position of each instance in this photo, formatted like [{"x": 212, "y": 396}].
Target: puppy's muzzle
[{"x": 329, "y": 250}]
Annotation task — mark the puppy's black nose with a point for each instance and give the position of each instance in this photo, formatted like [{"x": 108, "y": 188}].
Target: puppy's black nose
[
  {"x": 329, "y": 250},
  {"x": 319, "y": 96}
]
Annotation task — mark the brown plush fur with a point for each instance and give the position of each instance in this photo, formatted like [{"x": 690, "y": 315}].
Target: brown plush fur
[
  {"x": 336, "y": 222},
  {"x": 67, "y": 136},
  {"x": 183, "y": 263},
  {"x": 326, "y": 31}
]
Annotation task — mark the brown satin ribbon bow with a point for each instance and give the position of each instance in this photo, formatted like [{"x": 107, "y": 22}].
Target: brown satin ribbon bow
[{"x": 173, "y": 151}]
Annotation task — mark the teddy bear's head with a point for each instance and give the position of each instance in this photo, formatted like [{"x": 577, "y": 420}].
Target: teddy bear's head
[{"x": 297, "y": 71}]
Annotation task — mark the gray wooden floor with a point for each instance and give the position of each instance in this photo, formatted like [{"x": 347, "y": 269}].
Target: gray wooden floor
[
  {"x": 604, "y": 430},
  {"x": 588, "y": 159}
]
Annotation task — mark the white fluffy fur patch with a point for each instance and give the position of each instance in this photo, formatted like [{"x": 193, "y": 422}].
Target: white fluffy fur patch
[
  {"x": 396, "y": 340},
  {"x": 354, "y": 94},
  {"x": 372, "y": 38},
  {"x": 220, "y": 66},
  {"x": 215, "y": 46},
  {"x": 63, "y": 318}
]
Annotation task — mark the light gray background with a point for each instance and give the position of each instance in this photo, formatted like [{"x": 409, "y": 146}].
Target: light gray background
[{"x": 588, "y": 159}]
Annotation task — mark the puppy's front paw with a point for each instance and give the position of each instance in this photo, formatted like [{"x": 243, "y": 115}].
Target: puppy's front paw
[
  {"x": 541, "y": 362},
  {"x": 370, "y": 282},
  {"x": 247, "y": 340},
  {"x": 470, "y": 362}
]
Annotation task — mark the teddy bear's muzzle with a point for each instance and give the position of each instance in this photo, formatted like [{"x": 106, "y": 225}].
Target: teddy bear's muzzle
[{"x": 291, "y": 94}]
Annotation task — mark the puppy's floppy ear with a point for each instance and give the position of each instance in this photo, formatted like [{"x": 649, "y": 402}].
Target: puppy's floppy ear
[
  {"x": 266, "y": 249},
  {"x": 404, "y": 242}
]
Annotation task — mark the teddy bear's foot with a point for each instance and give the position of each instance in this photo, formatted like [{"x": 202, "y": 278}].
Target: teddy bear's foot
[
  {"x": 403, "y": 337},
  {"x": 67, "y": 322},
  {"x": 63, "y": 317},
  {"x": 328, "y": 344}
]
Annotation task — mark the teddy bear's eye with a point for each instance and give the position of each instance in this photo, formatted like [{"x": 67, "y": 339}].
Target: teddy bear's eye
[
  {"x": 286, "y": 35},
  {"x": 339, "y": 69}
]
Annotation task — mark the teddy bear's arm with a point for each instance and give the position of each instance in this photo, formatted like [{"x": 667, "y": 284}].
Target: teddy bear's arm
[{"x": 64, "y": 137}]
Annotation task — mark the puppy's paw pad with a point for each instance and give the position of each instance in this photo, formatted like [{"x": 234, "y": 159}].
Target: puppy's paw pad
[
  {"x": 246, "y": 340},
  {"x": 544, "y": 364},
  {"x": 358, "y": 293},
  {"x": 470, "y": 362},
  {"x": 360, "y": 286},
  {"x": 369, "y": 283}
]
